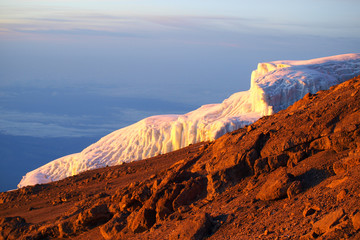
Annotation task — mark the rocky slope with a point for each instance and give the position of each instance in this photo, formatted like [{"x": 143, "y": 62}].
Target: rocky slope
[
  {"x": 274, "y": 86},
  {"x": 291, "y": 175}
]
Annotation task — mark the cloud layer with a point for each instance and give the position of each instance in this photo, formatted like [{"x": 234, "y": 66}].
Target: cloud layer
[
  {"x": 140, "y": 19},
  {"x": 70, "y": 113}
]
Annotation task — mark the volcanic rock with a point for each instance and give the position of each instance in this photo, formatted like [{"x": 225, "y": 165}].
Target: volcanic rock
[
  {"x": 356, "y": 220},
  {"x": 142, "y": 220},
  {"x": 94, "y": 216},
  {"x": 309, "y": 210},
  {"x": 112, "y": 229},
  {"x": 276, "y": 186},
  {"x": 341, "y": 195},
  {"x": 66, "y": 228},
  {"x": 328, "y": 221},
  {"x": 191, "y": 191},
  {"x": 294, "y": 189},
  {"x": 12, "y": 227},
  {"x": 343, "y": 165},
  {"x": 196, "y": 228},
  {"x": 164, "y": 206}
]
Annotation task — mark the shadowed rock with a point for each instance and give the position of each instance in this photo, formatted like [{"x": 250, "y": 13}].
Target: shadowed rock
[
  {"x": 356, "y": 220},
  {"x": 328, "y": 221},
  {"x": 193, "y": 190},
  {"x": 112, "y": 229},
  {"x": 142, "y": 220},
  {"x": 294, "y": 189},
  {"x": 94, "y": 216},
  {"x": 12, "y": 227},
  {"x": 276, "y": 186},
  {"x": 196, "y": 228}
]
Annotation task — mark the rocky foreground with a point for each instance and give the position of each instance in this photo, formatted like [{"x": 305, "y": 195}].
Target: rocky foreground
[{"x": 292, "y": 175}]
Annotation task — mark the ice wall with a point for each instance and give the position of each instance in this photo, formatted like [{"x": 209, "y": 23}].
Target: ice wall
[
  {"x": 274, "y": 86},
  {"x": 281, "y": 83}
]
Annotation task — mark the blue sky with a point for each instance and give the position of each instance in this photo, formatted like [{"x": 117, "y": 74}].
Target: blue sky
[{"x": 119, "y": 56}]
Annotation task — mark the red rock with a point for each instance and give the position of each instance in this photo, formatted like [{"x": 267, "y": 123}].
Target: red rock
[
  {"x": 276, "y": 186},
  {"x": 341, "y": 195},
  {"x": 294, "y": 189},
  {"x": 66, "y": 228},
  {"x": 196, "y": 228},
  {"x": 12, "y": 227},
  {"x": 112, "y": 229},
  {"x": 356, "y": 220},
  {"x": 142, "y": 220},
  {"x": 328, "y": 221},
  {"x": 164, "y": 205},
  {"x": 310, "y": 210},
  {"x": 94, "y": 216},
  {"x": 194, "y": 188}
]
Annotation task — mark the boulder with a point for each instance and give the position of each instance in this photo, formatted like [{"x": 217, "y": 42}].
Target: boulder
[
  {"x": 321, "y": 144},
  {"x": 112, "y": 229},
  {"x": 12, "y": 227},
  {"x": 193, "y": 190},
  {"x": 215, "y": 183},
  {"x": 162, "y": 210},
  {"x": 310, "y": 210},
  {"x": 141, "y": 193},
  {"x": 337, "y": 182},
  {"x": 128, "y": 203},
  {"x": 330, "y": 220},
  {"x": 134, "y": 200},
  {"x": 142, "y": 220},
  {"x": 356, "y": 220},
  {"x": 196, "y": 228},
  {"x": 341, "y": 195},
  {"x": 261, "y": 166},
  {"x": 278, "y": 161},
  {"x": 294, "y": 189},
  {"x": 276, "y": 186},
  {"x": 48, "y": 231},
  {"x": 343, "y": 165},
  {"x": 66, "y": 228},
  {"x": 94, "y": 216},
  {"x": 339, "y": 167},
  {"x": 164, "y": 204}
]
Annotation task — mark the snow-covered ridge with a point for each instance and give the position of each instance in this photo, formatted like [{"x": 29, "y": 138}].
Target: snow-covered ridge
[{"x": 274, "y": 86}]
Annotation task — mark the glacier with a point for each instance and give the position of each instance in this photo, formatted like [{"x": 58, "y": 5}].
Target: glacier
[{"x": 274, "y": 86}]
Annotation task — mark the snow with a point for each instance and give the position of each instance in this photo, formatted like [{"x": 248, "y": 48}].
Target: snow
[{"x": 274, "y": 86}]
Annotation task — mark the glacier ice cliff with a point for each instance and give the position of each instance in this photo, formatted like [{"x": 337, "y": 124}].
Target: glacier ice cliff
[{"x": 274, "y": 86}]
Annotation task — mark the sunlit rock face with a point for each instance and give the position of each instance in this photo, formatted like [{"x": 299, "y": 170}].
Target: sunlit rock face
[{"x": 274, "y": 86}]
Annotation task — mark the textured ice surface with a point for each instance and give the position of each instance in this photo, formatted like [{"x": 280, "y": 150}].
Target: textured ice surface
[{"x": 274, "y": 86}]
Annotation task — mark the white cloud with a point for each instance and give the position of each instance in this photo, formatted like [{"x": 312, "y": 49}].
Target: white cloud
[{"x": 50, "y": 125}]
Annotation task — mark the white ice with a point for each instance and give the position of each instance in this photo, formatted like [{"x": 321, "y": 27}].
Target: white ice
[{"x": 274, "y": 86}]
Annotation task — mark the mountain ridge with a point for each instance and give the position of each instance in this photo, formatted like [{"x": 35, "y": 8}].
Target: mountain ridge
[
  {"x": 291, "y": 175},
  {"x": 274, "y": 86}
]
